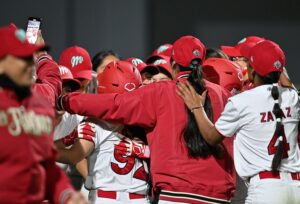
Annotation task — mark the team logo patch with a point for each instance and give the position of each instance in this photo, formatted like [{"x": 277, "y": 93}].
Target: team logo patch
[
  {"x": 129, "y": 86},
  {"x": 159, "y": 62},
  {"x": 277, "y": 64},
  {"x": 76, "y": 60},
  {"x": 197, "y": 53},
  {"x": 162, "y": 48},
  {"x": 136, "y": 62}
]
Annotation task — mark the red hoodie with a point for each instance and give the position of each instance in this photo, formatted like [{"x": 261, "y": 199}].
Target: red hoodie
[
  {"x": 27, "y": 157},
  {"x": 162, "y": 113}
]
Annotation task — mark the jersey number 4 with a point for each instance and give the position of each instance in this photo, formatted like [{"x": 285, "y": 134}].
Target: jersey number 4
[
  {"x": 129, "y": 162},
  {"x": 272, "y": 148}
]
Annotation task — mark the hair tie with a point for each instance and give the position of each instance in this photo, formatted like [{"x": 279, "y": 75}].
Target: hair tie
[
  {"x": 280, "y": 138},
  {"x": 279, "y": 120},
  {"x": 276, "y": 101}
]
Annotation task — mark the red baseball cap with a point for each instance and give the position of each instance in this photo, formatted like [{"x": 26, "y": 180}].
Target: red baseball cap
[
  {"x": 266, "y": 57},
  {"x": 78, "y": 60},
  {"x": 165, "y": 50},
  {"x": 66, "y": 75},
  {"x": 163, "y": 63},
  {"x": 13, "y": 42},
  {"x": 160, "y": 65},
  {"x": 186, "y": 49},
  {"x": 138, "y": 63},
  {"x": 236, "y": 51}
]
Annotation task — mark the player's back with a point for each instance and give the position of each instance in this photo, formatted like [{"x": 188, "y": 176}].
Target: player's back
[
  {"x": 108, "y": 169},
  {"x": 256, "y": 128}
]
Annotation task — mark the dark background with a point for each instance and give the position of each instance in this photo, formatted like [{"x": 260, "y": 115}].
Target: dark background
[{"x": 136, "y": 27}]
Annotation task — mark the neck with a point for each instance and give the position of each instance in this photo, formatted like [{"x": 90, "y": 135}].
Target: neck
[{"x": 21, "y": 92}]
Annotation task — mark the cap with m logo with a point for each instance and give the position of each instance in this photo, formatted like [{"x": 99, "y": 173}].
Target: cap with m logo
[{"x": 78, "y": 60}]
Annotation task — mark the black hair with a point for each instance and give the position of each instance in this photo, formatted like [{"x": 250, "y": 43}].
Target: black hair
[
  {"x": 196, "y": 144},
  {"x": 100, "y": 56},
  {"x": 215, "y": 53},
  {"x": 273, "y": 78}
]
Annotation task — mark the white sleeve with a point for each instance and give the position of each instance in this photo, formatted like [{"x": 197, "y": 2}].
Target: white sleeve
[{"x": 228, "y": 123}]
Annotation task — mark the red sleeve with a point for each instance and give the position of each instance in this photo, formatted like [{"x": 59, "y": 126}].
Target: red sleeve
[
  {"x": 58, "y": 187},
  {"x": 48, "y": 83},
  {"x": 131, "y": 108}
]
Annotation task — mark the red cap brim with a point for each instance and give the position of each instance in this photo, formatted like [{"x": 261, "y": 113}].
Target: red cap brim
[
  {"x": 231, "y": 51},
  {"x": 84, "y": 74}
]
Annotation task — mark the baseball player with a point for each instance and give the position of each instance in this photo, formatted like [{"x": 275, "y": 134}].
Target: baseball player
[
  {"x": 184, "y": 168},
  {"x": 264, "y": 121},
  {"x": 113, "y": 177},
  {"x": 78, "y": 60},
  {"x": 27, "y": 159}
]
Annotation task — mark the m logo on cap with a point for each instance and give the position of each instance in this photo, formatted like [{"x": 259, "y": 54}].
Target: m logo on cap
[
  {"x": 277, "y": 64},
  {"x": 197, "y": 53},
  {"x": 63, "y": 70},
  {"x": 136, "y": 62},
  {"x": 162, "y": 49},
  {"x": 160, "y": 61},
  {"x": 75, "y": 60}
]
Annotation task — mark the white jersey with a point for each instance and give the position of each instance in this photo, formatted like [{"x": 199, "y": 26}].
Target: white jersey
[
  {"x": 66, "y": 126},
  {"x": 110, "y": 171},
  {"x": 249, "y": 116}
]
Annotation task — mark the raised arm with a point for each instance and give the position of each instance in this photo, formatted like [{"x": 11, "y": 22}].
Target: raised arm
[
  {"x": 131, "y": 108},
  {"x": 48, "y": 82}
]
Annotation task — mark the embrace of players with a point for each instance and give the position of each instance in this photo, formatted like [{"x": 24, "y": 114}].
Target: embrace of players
[{"x": 189, "y": 125}]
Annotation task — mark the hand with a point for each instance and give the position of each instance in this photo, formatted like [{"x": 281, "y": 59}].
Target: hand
[
  {"x": 84, "y": 130},
  {"x": 60, "y": 102},
  {"x": 190, "y": 97},
  {"x": 77, "y": 198},
  {"x": 39, "y": 42},
  {"x": 133, "y": 148}
]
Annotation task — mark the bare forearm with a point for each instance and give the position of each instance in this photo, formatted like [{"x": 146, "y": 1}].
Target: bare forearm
[{"x": 206, "y": 127}]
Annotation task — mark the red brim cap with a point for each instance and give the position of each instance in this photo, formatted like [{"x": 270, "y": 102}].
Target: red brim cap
[
  {"x": 84, "y": 74},
  {"x": 231, "y": 51}
]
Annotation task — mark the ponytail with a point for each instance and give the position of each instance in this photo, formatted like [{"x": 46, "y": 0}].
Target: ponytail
[
  {"x": 279, "y": 131},
  {"x": 197, "y": 146},
  {"x": 273, "y": 78}
]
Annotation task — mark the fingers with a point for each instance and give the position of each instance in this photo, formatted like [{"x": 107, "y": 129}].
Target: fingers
[
  {"x": 183, "y": 89},
  {"x": 77, "y": 198},
  {"x": 191, "y": 88}
]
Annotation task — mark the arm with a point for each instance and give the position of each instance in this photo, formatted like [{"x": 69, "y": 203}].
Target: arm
[
  {"x": 80, "y": 150},
  {"x": 48, "y": 82},
  {"x": 131, "y": 108},
  {"x": 83, "y": 140},
  {"x": 195, "y": 103},
  {"x": 82, "y": 168}
]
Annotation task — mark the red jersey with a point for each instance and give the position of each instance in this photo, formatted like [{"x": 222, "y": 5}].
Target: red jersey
[
  {"x": 162, "y": 113},
  {"x": 27, "y": 157}
]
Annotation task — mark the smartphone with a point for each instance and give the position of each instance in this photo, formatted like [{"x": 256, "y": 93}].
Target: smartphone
[{"x": 33, "y": 26}]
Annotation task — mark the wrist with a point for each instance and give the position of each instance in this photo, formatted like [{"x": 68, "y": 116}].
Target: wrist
[{"x": 196, "y": 108}]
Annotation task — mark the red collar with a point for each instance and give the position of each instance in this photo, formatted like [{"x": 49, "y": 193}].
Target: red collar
[{"x": 182, "y": 76}]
